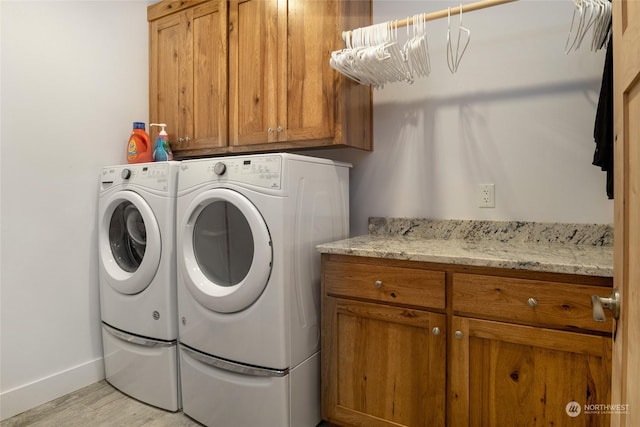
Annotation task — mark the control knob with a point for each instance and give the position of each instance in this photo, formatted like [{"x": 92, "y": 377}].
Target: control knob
[
  {"x": 219, "y": 168},
  {"x": 126, "y": 173}
]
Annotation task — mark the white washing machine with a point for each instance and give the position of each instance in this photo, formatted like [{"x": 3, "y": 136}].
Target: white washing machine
[
  {"x": 249, "y": 285},
  {"x": 138, "y": 294}
]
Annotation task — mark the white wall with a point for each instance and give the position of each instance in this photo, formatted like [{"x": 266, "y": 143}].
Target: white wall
[
  {"x": 519, "y": 113},
  {"x": 74, "y": 78}
]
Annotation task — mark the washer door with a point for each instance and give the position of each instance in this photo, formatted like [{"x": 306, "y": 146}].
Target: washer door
[
  {"x": 224, "y": 250},
  {"x": 129, "y": 242}
]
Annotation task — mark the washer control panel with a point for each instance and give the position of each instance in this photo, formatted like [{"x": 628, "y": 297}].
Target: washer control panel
[{"x": 154, "y": 176}]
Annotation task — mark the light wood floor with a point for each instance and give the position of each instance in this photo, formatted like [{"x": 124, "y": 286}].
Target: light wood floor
[
  {"x": 101, "y": 405},
  {"x": 98, "y": 405}
]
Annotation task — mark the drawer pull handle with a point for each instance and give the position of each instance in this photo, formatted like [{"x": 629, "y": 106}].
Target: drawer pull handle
[
  {"x": 532, "y": 302},
  {"x": 600, "y": 303},
  {"x": 436, "y": 331},
  {"x": 459, "y": 335},
  {"x": 378, "y": 284}
]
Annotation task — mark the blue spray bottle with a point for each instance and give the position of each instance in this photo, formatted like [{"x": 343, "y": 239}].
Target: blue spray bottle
[{"x": 162, "y": 150}]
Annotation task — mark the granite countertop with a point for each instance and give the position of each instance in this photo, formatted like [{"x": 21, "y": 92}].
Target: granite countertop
[{"x": 585, "y": 249}]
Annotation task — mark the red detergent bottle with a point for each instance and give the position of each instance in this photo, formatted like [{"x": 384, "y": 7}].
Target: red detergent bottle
[{"x": 139, "y": 147}]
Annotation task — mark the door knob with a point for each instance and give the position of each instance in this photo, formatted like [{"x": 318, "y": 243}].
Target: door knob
[{"x": 611, "y": 303}]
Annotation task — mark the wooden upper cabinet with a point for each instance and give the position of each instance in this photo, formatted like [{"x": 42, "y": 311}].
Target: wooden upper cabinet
[
  {"x": 254, "y": 75},
  {"x": 253, "y": 37},
  {"x": 188, "y": 74},
  {"x": 281, "y": 87},
  {"x": 167, "y": 57}
]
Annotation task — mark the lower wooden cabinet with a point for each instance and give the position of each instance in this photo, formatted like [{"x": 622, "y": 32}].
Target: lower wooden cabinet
[
  {"x": 513, "y": 375},
  {"x": 487, "y": 347},
  {"x": 385, "y": 366}
]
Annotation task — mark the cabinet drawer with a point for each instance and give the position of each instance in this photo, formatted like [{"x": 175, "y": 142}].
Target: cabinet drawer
[
  {"x": 398, "y": 285},
  {"x": 561, "y": 305}
]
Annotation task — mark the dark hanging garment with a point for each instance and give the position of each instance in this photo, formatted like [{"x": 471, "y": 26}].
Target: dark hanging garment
[{"x": 603, "y": 130}]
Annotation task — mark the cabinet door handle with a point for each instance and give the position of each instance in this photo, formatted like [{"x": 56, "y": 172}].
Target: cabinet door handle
[
  {"x": 532, "y": 302},
  {"x": 280, "y": 128},
  {"x": 180, "y": 139},
  {"x": 187, "y": 139},
  {"x": 436, "y": 331},
  {"x": 378, "y": 284},
  {"x": 270, "y": 130},
  {"x": 459, "y": 335}
]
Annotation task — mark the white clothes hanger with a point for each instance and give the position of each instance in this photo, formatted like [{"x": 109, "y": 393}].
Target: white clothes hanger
[
  {"x": 416, "y": 49},
  {"x": 372, "y": 55},
  {"x": 601, "y": 31},
  {"x": 453, "y": 61},
  {"x": 594, "y": 15}
]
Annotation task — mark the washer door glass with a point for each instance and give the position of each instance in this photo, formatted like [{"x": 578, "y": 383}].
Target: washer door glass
[
  {"x": 129, "y": 242},
  {"x": 226, "y": 251},
  {"x": 127, "y": 236}
]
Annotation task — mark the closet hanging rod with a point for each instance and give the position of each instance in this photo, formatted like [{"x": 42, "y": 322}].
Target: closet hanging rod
[{"x": 454, "y": 11}]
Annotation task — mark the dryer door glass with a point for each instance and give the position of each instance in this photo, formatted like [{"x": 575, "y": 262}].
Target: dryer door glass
[
  {"x": 224, "y": 250},
  {"x": 223, "y": 243},
  {"x": 127, "y": 236}
]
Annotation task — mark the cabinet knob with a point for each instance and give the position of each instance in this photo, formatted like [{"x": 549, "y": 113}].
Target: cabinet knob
[
  {"x": 187, "y": 139},
  {"x": 180, "y": 139},
  {"x": 378, "y": 283},
  {"x": 280, "y": 128},
  {"x": 459, "y": 335},
  {"x": 270, "y": 130},
  {"x": 436, "y": 331},
  {"x": 532, "y": 302}
]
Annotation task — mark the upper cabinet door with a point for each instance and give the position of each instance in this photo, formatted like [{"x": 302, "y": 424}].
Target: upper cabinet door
[
  {"x": 188, "y": 75},
  {"x": 253, "y": 47},
  {"x": 306, "y": 96},
  {"x": 208, "y": 98},
  {"x": 167, "y": 58}
]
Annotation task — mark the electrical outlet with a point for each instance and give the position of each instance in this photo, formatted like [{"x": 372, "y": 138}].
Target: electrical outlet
[{"x": 487, "y": 196}]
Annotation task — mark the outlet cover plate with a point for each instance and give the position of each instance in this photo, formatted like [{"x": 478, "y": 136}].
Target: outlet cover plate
[{"x": 486, "y": 195}]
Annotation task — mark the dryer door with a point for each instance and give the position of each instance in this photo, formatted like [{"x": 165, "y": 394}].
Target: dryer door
[
  {"x": 224, "y": 249},
  {"x": 129, "y": 242}
]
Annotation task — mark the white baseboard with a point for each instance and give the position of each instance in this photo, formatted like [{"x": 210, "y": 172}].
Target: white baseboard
[{"x": 28, "y": 396}]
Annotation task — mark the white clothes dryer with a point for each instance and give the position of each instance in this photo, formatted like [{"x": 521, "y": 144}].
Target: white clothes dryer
[
  {"x": 138, "y": 294},
  {"x": 249, "y": 285}
]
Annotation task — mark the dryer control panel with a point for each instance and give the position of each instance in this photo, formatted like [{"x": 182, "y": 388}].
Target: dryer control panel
[{"x": 265, "y": 172}]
